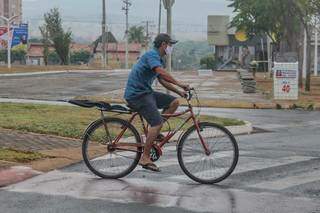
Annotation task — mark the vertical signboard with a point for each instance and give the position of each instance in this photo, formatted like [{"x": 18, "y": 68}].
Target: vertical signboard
[
  {"x": 3, "y": 38},
  {"x": 19, "y": 36},
  {"x": 286, "y": 81},
  {"x": 218, "y": 30}
]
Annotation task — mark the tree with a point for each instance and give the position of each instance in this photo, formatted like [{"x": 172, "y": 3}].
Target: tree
[
  {"x": 53, "y": 58},
  {"x": 3, "y": 55},
  {"x": 18, "y": 55},
  {"x": 46, "y": 42},
  {"x": 61, "y": 39},
  {"x": 306, "y": 10},
  {"x": 136, "y": 34},
  {"x": 187, "y": 54},
  {"x": 208, "y": 62},
  {"x": 285, "y": 19},
  {"x": 274, "y": 18},
  {"x": 81, "y": 56}
]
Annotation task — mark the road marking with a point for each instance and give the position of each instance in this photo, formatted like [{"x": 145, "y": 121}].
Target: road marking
[
  {"x": 259, "y": 164},
  {"x": 158, "y": 193},
  {"x": 288, "y": 182},
  {"x": 166, "y": 162}
]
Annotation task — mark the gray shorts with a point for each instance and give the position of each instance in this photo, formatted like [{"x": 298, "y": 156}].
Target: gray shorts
[{"x": 148, "y": 106}]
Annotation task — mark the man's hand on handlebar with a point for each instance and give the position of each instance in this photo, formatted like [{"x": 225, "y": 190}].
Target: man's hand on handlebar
[
  {"x": 185, "y": 87},
  {"x": 183, "y": 94}
]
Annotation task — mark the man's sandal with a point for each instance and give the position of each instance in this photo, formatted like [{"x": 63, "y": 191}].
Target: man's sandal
[{"x": 150, "y": 166}]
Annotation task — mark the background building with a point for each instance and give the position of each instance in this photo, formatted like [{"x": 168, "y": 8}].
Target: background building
[
  {"x": 9, "y": 8},
  {"x": 229, "y": 43}
]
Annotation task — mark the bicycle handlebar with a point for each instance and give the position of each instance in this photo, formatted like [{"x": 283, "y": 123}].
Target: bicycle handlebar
[{"x": 190, "y": 94}]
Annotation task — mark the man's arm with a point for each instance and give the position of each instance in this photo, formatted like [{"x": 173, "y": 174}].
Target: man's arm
[
  {"x": 167, "y": 77},
  {"x": 170, "y": 87}
]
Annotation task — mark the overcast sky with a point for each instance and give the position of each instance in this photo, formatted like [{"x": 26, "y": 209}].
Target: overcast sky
[{"x": 84, "y": 16}]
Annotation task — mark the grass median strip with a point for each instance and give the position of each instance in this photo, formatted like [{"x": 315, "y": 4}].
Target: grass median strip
[
  {"x": 68, "y": 121},
  {"x": 18, "y": 156}
]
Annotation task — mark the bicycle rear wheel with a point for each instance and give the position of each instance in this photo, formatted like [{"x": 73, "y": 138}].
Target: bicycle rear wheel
[
  {"x": 106, "y": 162},
  {"x": 221, "y": 162}
]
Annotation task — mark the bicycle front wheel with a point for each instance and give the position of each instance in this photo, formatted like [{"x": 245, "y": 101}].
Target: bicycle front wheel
[
  {"x": 104, "y": 161},
  {"x": 216, "y": 166}
]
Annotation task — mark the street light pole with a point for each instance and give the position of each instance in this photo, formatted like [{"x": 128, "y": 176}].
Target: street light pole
[
  {"x": 159, "y": 24},
  {"x": 104, "y": 33},
  {"x": 168, "y": 5},
  {"x": 126, "y": 9},
  {"x": 316, "y": 49},
  {"x": 169, "y": 31},
  {"x": 9, "y": 20}
]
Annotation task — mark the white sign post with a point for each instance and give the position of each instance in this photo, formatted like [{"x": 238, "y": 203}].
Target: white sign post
[{"x": 286, "y": 81}]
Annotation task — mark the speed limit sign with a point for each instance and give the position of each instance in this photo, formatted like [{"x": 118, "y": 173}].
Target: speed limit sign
[{"x": 286, "y": 81}]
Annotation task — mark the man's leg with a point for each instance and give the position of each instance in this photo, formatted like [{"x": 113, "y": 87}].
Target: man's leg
[
  {"x": 149, "y": 111},
  {"x": 172, "y": 107},
  {"x": 152, "y": 135}
]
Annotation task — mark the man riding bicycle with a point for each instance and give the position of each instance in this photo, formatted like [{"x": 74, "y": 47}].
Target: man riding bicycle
[{"x": 141, "y": 97}]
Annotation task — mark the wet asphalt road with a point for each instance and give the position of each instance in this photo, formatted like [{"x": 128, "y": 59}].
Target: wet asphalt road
[
  {"x": 58, "y": 86},
  {"x": 278, "y": 170}
]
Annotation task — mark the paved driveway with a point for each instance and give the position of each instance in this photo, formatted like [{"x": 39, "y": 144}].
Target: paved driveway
[{"x": 58, "y": 86}]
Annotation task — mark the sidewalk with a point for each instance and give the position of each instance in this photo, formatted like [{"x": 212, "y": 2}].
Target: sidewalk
[{"x": 59, "y": 152}]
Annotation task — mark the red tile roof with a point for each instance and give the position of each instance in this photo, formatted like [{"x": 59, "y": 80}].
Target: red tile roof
[
  {"x": 121, "y": 47},
  {"x": 36, "y": 49}
]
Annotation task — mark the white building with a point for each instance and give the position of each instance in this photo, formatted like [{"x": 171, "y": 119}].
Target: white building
[{"x": 9, "y": 8}]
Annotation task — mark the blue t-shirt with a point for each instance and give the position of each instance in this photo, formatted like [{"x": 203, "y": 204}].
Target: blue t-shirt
[{"x": 142, "y": 75}]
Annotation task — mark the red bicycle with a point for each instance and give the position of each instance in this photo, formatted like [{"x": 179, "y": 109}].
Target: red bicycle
[{"x": 207, "y": 152}]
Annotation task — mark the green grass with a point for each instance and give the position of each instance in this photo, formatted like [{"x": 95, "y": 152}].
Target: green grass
[
  {"x": 68, "y": 121},
  {"x": 19, "y": 156}
]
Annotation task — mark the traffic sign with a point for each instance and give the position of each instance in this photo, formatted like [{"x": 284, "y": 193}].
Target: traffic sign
[{"x": 286, "y": 81}]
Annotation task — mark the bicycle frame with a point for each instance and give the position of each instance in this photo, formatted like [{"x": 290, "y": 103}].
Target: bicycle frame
[{"x": 117, "y": 145}]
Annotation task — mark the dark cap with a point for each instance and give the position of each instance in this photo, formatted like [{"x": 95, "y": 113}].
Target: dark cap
[{"x": 163, "y": 37}]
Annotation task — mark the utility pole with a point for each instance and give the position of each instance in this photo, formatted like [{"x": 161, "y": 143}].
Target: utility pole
[
  {"x": 269, "y": 55},
  {"x": 168, "y": 5},
  {"x": 104, "y": 34},
  {"x": 316, "y": 48},
  {"x": 147, "y": 35},
  {"x": 169, "y": 31},
  {"x": 304, "y": 68},
  {"x": 127, "y": 4},
  {"x": 9, "y": 21},
  {"x": 159, "y": 23},
  {"x": 147, "y": 27}
]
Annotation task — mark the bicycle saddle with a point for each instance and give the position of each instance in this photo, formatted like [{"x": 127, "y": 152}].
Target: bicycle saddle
[{"x": 89, "y": 104}]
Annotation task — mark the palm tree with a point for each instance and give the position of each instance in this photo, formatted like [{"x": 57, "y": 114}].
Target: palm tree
[{"x": 136, "y": 34}]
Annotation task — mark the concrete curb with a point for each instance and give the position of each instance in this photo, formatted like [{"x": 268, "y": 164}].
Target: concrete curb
[
  {"x": 16, "y": 174},
  {"x": 243, "y": 129},
  {"x": 58, "y": 72}
]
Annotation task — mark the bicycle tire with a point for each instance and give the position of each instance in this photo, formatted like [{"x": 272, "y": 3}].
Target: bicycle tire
[
  {"x": 86, "y": 142},
  {"x": 183, "y": 161}
]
